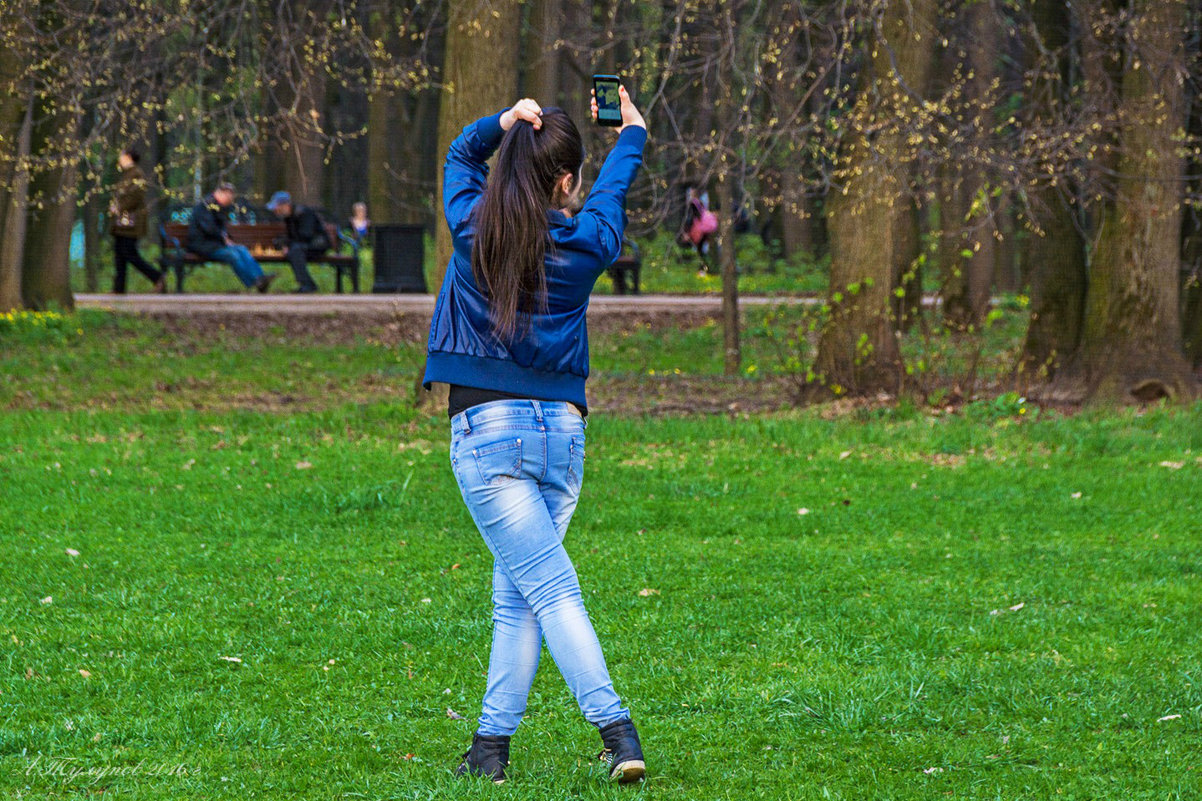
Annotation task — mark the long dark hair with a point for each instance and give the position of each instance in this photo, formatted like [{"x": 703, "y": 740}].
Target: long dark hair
[{"x": 509, "y": 252}]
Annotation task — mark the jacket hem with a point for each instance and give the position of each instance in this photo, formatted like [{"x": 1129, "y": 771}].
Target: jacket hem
[{"x": 502, "y": 376}]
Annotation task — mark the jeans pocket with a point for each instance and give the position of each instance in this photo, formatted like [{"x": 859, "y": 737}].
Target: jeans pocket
[
  {"x": 499, "y": 462},
  {"x": 576, "y": 462}
]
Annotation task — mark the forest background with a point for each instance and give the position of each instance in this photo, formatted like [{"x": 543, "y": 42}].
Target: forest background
[{"x": 1043, "y": 148}]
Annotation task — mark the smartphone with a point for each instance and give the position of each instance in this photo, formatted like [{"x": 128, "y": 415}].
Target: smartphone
[{"x": 609, "y": 104}]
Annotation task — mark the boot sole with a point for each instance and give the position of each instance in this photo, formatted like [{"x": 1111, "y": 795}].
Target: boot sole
[{"x": 629, "y": 771}]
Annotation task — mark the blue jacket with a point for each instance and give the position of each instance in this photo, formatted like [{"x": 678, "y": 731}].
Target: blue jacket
[{"x": 550, "y": 362}]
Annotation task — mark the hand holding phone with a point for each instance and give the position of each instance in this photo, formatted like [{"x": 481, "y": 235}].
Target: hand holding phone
[
  {"x": 607, "y": 92},
  {"x": 611, "y": 104}
]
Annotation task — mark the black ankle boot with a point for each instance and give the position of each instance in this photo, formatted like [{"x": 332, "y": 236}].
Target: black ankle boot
[
  {"x": 623, "y": 753},
  {"x": 488, "y": 756}
]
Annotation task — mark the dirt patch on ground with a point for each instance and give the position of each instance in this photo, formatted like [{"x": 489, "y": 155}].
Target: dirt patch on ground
[
  {"x": 676, "y": 395},
  {"x": 385, "y": 328},
  {"x": 319, "y": 329}
]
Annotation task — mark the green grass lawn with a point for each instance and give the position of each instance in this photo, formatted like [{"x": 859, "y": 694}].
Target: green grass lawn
[{"x": 993, "y": 604}]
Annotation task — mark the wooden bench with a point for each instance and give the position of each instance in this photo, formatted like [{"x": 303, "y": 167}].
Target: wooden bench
[
  {"x": 628, "y": 265},
  {"x": 262, "y": 240}
]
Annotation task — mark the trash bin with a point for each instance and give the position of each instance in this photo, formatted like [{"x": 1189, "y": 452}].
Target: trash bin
[{"x": 399, "y": 258}]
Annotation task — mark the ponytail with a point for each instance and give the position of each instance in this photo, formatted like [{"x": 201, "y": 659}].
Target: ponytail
[{"x": 510, "y": 249}]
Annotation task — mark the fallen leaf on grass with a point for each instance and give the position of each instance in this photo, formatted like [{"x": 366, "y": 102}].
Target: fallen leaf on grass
[
  {"x": 1173, "y": 465},
  {"x": 1076, "y": 496},
  {"x": 453, "y": 715},
  {"x": 304, "y": 465},
  {"x": 85, "y": 674},
  {"x": 845, "y": 454},
  {"x": 647, "y": 592},
  {"x": 72, "y": 552},
  {"x": 49, "y": 599},
  {"x": 1167, "y": 717},
  {"x": 929, "y": 771},
  {"x": 803, "y": 511},
  {"x": 233, "y": 659}
]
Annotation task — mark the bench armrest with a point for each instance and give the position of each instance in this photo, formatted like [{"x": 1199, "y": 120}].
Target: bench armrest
[
  {"x": 634, "y": 248},
  {"x": 350, "y": 240},
  {"x": 167, "y": 239}
]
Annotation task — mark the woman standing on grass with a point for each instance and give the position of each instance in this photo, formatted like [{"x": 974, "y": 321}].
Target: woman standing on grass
[{"x": 509, "y": 336}]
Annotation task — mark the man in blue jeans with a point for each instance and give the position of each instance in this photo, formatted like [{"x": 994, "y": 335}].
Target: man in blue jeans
[{"x": 207, "y": 238}]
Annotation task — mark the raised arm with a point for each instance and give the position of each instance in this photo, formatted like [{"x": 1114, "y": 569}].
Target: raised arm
[
  {"x": 606, "y": 202},
  {"x": 466, "y": 167}
]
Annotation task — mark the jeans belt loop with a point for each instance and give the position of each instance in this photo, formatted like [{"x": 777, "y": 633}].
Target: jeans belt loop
[{"x": 538, "y": 411}]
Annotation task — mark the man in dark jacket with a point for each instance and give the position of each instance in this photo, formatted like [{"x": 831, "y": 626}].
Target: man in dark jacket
[
  {"x": 207, "y": 238},
  {"x": 128, "y": 223},
  {"x": 307, "y": 237}
]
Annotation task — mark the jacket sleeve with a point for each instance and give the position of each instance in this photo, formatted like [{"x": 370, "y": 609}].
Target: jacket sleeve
[
  {"x": 207, "y": 223},
  {"x": 606, "y": 203},
  {"x": 466, "y": 172}
]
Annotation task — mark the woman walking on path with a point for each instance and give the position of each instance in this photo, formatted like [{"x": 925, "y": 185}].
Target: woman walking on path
[
  {"x": 509, "y": 336},
  {"x": 127, "y": 223}
]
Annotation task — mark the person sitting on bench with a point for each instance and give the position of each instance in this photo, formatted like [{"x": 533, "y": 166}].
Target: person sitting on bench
[
  {"x": 307, "y": 237},
  {"x": 208, "y": 240}
]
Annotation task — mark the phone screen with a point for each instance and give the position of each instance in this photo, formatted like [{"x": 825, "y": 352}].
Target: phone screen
[{"x": 609, "y": 104}]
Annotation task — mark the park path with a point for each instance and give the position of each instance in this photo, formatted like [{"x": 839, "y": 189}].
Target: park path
[{"x": 374, "y": 305}]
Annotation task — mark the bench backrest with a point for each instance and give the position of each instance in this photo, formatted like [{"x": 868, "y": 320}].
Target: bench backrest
[{"x": 264, "y": 234}]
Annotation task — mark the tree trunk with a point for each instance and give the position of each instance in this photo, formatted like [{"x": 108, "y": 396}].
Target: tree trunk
[
  {"x": 383, "y": 145},
  {"x": 907, "y": 270},
  {"x": 794, "y": 208},
  {"x": 474, "y": 87},
  {"x": 46, "y": 262},
  {"x": 1131, "y": 348},
  {"x": 1007, "y": 274},
  {"x": 304, "y": 160},
  {"x": 91, "y": 242},
  {"x": 858, "y": 350},
  {"x": 732, "y": 356},
  {"x": 968, "y": 250},
  {"x": 542, "y": 52},
  {"x": 968, "y": 235},
  {"x": 796, "y": 224},
  {"x": 14, "y": 199},
  {"x": 1192, "y": 305},
  {"x": 1058, "y": 283},
  {"x": 1056, "y": 254},
  {"x": 726, "y": 113}
]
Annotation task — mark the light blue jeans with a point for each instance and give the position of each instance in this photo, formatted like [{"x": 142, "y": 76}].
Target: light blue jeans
[
  {"x": 519, "y": 464},
  {"x": 246, "y": 267}
]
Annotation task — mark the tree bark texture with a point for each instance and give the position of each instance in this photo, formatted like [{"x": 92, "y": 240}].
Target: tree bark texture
[
  {"x": 1056, "y": 253},
  {"x": 46, "y": 262},
  {"x": 1131, "y": 348},
  {"x": 14, "y": 194},
  {"x": 858, "y": 350},
  {"x": 969, "y": 241},
  {"x": 15, "y": 124}
]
